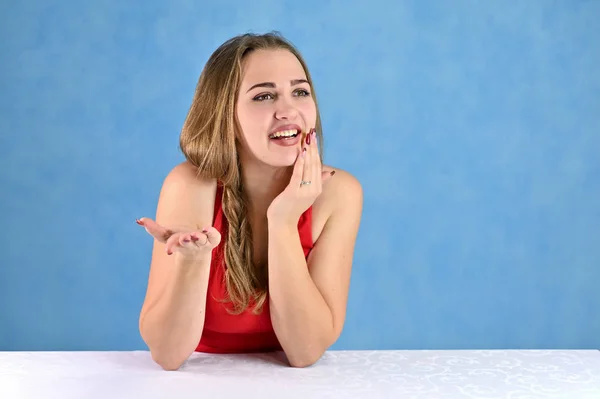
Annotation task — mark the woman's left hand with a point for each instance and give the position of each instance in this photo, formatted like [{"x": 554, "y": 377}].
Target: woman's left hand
[{"x": 305, "y": 184}]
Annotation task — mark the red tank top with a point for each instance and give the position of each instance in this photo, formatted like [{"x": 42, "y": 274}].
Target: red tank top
[{"x": 227, "y": 333}]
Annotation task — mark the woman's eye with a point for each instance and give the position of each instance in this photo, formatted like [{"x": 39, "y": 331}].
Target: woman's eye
[
  {"x": 269, "y": 96},
  {"x": 263, "y": 97},
  {"x": 302, "y": 93}
]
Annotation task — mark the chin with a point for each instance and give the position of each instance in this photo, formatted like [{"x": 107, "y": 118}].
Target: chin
[
  {"x": 280, "y": 161},
  {"x": 282, "y": 158}
]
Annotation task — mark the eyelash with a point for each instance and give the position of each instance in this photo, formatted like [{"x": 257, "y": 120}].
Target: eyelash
[{"x": 258, "y": 98}]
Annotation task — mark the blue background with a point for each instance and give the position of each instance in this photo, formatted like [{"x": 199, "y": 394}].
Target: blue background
[{"x": 473, "y": 126}]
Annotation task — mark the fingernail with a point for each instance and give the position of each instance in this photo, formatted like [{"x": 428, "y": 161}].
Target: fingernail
[
  {"x": 169, "y": 252},
  {"x": 186, "y": 240},
  {"x": 308, "y": 138},
  {"x": 303, "y": 152},
  {"x": 205, "y": 230},
  {"x": 332, "y": 172},
  {"x": 194, "y": 238},
  {"x": 138, "y": 221}
]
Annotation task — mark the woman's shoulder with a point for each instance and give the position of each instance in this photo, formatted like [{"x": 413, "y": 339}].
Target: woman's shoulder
[
  {"x": 342, "y": 195},
  {"x": 186, "y": 196},
  {"x": 185, "y": 175},
  {"x": 341, "y": 187}
]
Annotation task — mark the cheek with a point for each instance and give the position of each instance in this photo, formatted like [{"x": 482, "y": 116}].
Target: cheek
[
  {"x": 253, "y": 114},
  {"x": 252, "y": 125},
  {"x": 246, "y": 118},
  {"x": 310, "y": 112}
]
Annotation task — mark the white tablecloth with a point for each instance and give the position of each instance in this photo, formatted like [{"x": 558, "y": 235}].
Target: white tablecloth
[{"x": 339, "y": 374}]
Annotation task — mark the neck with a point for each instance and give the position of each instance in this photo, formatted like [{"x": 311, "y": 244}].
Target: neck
[{"x": 262, "y": 183}]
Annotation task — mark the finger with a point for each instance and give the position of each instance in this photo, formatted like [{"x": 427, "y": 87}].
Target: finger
[
  {"x": 172, "y": 243},
  {"x": 315, "y": 166},
  {"x": 326, "y": 175},
  {"x": 199, "y": 238},
  {"x": 159, "y": 232},
  {"x": 310, "y": 170},
  {"x": 298, "y": 168},
  {"x": 306, "y": 170},
  {"x": 185, "y": 240},
  {"x": 213, "y": 236}
]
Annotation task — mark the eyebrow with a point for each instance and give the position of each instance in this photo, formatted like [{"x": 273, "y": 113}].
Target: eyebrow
[{"x": 272, "y": 85}]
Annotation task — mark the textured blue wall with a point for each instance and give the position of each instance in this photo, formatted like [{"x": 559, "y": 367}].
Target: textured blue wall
[{"x": 474, "y": 127}]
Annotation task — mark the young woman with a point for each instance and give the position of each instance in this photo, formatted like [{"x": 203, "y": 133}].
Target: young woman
[{"x": 254, "y": 237}]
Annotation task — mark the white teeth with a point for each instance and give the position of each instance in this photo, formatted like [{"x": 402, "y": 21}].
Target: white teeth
[{"x": 284, "y": 133}]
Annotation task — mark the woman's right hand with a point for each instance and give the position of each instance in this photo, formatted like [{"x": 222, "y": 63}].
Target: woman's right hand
[{"x": 187, "y": 243}]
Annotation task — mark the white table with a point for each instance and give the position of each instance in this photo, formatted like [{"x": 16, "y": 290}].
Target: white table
[{"x": 339, "y": 374}]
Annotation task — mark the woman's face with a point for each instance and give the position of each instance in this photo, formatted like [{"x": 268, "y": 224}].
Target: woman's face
[{"x": 274, "y": 97}]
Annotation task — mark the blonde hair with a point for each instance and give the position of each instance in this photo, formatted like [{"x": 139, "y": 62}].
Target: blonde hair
[{"x": 208, "y": 141}]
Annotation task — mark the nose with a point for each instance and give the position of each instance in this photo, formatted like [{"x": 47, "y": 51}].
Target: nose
[{"x": 285, "y": 109}]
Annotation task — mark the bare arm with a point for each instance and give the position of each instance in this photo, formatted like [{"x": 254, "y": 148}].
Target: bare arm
[
  {"x": 172, "y": 317},
  {"x": 308, "y": 301},
  {"x": 172, "y": 321}
]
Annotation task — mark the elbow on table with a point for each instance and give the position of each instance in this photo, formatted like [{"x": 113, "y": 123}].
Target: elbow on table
[
  {"x": 310, "y": 355},
  {"x": 305, "y": 360},
  {"x": 168, "y": 362}
]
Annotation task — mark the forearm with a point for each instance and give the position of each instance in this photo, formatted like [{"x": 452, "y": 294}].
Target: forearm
[
  {"x": 301, "y": 318},
  {"x": 173, "y": 325}
]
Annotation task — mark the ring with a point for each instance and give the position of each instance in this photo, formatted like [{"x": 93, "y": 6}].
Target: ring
[{"x": 304, "y": 182}]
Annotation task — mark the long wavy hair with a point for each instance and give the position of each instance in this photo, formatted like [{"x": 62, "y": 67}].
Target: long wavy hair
[{"x": 209, "y": 140}]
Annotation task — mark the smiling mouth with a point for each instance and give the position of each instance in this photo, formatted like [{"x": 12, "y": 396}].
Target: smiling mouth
[{"x": 284, "y": 134}]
